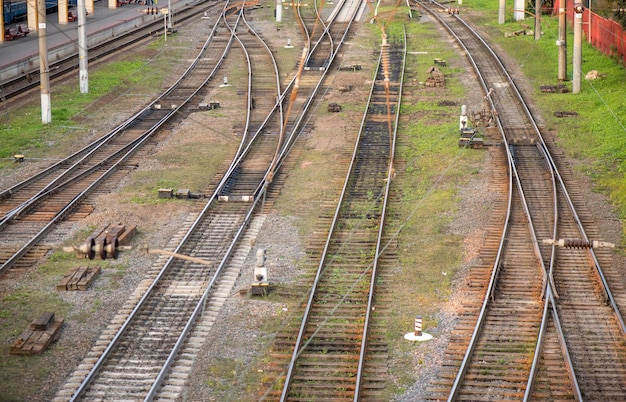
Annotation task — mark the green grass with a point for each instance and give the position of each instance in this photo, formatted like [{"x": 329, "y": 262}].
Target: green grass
[
  {"x": 23, "y": 132},
  {"x": 597, "y": 137},
  {"x": 17, "y": 309}
]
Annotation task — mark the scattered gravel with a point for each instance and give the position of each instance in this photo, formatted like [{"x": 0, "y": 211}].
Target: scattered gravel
[{"x": 238, "y": 336}]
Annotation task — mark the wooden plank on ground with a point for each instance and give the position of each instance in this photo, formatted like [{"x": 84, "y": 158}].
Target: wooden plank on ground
[
  {"x": 34, "y": 341},
  {"x": 88, "y": 277},
  {"x": 62, "y": 285},
  {"x": 125, "y": 237},
  {"x": 78, "y": 273},
  {"x": 41, "y": 323},
  {"x": 79, "y": 279}
]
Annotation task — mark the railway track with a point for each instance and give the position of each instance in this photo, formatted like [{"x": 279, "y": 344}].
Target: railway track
[
  {"x": 19, "y": 87},
  {"x": 335, "y": 357},
  {"x": 547, "y": 325},
  {"x": 139, "y": 355},
  {"x": 33, "y": 207}
]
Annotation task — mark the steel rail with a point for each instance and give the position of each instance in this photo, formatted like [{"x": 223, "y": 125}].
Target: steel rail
[
  {"x": 497, "y": 262},
  {"x": 608, "y": 294},
  {"x": 551, "y": 290},
  {"x": 96, "y": 52},
  {"x": 492, "y": 283},
  {"x": 130, "y": 150},
  {"x": 292, "y": 138},
  {"x": 89, "y": 149},
  {"x": 105, "y": 354},
  {"x": 204, "y": 299},
  {"x": 199, "y": 309},
  {"x": 379, "y": 246},
  {"x": 555, "y": 171},
  {"x": 318, "y": 274},
  {"x": 316, "y": 281}
]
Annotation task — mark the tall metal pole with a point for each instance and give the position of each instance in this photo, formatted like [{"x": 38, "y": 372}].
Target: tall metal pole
[
  {"x": 562, "y": 42},
  {"x": 578, "y": 45},
  {"x": 83, "y": 77},
  {"x": 44, "y": 74},
  {"x": 501, "y": 10}
]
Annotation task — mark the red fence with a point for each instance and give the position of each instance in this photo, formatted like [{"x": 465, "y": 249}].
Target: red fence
[{"x": 606, "y": 35}]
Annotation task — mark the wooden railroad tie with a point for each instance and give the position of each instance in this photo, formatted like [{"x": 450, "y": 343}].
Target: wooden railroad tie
[
  {"x": 38, "y": 336},
  {"x": 565, "y": 114},
  {"x": 79, "y": 279},
  {"x": 112, "y": 231},
  {"x": 561, "y": 89}
]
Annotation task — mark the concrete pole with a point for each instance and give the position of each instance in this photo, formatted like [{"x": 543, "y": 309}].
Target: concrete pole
[
  {"x": 44, "y": 73},
  {"x": 501, "y": 11},
  {"x": 279, "y": 10},
  {"x": 31, "y": 10},
  {"x": 537, "y": 19},
  {"x": 562, "y": 42},
  {"x": 89, "y": 7},
  {"x": 83, "y": 76},
  {"x": 62, "y": 11},
  {"x": 578, "y": 54},
  {"x": 520, "y": 8}
]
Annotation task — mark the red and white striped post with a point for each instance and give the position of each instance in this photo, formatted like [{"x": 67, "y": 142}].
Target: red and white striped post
[
  {"x": 417, "y": 334},
  {"x": 418, "y": 325}
]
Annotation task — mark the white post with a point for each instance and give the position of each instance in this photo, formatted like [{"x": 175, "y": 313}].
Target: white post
[
  {"x": 578, "y": 42},
  {"x": 169, "y": 14},
  {"x": 83, "y": 78},
  {"x": 279, "y": 10},
  {"x": 520, "y": 8},
  {"x": 562, "y": 43}
]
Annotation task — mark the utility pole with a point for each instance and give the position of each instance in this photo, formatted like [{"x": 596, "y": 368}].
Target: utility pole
[
  {"x": 562, "y": 42},
  {"x": 169, "y": 15},
  {"x": 578, "y": 46},
  {"x": 44, "y": 73},
  {"x": 83, "y": 78},
  {"x": 537, "y": 19}
]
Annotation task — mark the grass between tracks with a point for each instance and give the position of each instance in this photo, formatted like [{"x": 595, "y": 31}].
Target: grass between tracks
[
  {"x": 21, "y": 131},
  {"x": 596, "y": 139},
  {"x": 434, "y": 168}
]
